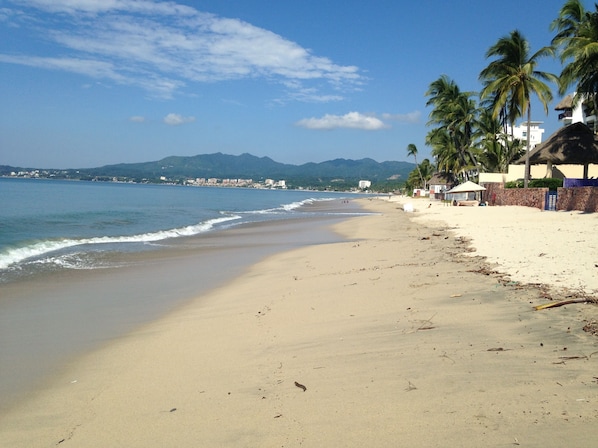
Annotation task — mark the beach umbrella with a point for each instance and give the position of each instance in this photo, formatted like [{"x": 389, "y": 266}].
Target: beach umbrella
[
  {"x": 574, "y": 144},
  {"x": 466, "y": 187}
]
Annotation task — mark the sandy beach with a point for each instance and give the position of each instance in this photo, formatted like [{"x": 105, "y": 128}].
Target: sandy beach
[{"x": 417, "y": 331}]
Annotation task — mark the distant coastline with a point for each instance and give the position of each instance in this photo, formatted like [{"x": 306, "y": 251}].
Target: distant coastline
[{"x": 237, "y": 171}]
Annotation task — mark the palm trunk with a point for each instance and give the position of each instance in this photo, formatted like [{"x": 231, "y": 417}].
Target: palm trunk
[
  {"x": 595, "y": 110},
  {"x": 420, "y": 173},
  {"x": 527, "y": 166}
]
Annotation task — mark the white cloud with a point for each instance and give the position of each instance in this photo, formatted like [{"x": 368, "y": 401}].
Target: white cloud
[
  {"x": 352, "y": 120},
  {"x": 103, "y": 6},
  {"x": 164, "y": 46},
  {"x": 176, "y": 119},
  {"x": 137, "y": 119}
]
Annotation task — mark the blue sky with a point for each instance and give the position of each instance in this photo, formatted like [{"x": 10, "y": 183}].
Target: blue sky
[{"x": 86, "y": 83}]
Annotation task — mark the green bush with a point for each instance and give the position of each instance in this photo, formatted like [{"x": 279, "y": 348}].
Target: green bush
[
  {"x": 514, "y": 184},
  {"x": 551, "y": 184}
]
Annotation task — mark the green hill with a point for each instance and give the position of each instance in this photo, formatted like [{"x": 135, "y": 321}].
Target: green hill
[{"x": 245, "y": 166}]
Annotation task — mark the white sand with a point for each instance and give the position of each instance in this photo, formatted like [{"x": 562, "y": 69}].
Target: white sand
[{"x": 559, "y": 249}]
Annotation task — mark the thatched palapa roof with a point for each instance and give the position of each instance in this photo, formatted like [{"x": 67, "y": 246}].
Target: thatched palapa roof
[
  {"x": 440, "y": 179},
  {"x": 566, "y": 103},
  {"x": 575, "y": 144}
]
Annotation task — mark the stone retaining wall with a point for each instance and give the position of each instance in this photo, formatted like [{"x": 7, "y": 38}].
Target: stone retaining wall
[
  {"x": 578, "y": 198},
  {"x": 497, "y": 194}
]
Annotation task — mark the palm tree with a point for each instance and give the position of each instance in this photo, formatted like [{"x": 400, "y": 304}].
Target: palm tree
[
  {"x": 412, "y": 151},
  {"x": 444, "y": 152},
  {"x": 512, "y": 78},
  {"x": 497, "y": 148},
  {"x": 577, "y": 42},
  {"x": 426, "y": 170},
  {"x": 455, "y": 114}
]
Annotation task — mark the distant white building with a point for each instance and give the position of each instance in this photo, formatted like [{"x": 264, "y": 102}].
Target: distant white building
[
  {"x": 520, "y": 133},
  {"x": 271, "y": 183},
  {"x": 365, "y": 184}
]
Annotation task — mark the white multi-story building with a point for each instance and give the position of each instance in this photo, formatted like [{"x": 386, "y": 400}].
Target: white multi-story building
[
  {"x": 574, "y": 113},
  {"x": 520, "y": 133}
]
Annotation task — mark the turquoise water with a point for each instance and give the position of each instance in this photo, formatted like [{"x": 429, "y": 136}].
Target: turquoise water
[{"x": 50, "y": 225}]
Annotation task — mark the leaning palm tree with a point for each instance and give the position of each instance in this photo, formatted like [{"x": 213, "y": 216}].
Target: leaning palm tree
[
  {"x": 577, "y": 43},
  {"x": 512, "y": 78},
  {"x": 412, "y": 151}
]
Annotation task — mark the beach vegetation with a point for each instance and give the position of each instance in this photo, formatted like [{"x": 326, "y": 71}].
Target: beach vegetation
[
  {"x": 497, "y": 149},
  {"x": 467, "y": 137},
  {"x": 512, "y": 78},
  {"x": 454, "y": 115},
  {"x": 419, "y": 177},
  {"x": 514, "y": 184},
  {"x": 412, "y": 152},
  {"x": 551, "y": 183},
  {"x": 576, "y": 43}
]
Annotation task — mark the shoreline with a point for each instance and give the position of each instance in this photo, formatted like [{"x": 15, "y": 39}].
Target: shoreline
[
  {"x": 52, "y": 318},
  {"x": 397, "y": 337}
]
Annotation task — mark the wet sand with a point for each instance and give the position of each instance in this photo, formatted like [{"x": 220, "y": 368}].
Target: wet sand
[
  {"x": 395, "y": 337},
  {"x": 48, "y": 320}
]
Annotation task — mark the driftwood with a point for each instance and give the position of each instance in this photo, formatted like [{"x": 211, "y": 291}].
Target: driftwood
[{"x": 566, "y": 302}]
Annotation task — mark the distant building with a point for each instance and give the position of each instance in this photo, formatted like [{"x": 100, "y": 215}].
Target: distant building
[
  {"x": 438, "y": 184},
  {"x": 520, "y": 133},
  {"x": 365, "y": 184},
  {"x": 574, "y": 113}
]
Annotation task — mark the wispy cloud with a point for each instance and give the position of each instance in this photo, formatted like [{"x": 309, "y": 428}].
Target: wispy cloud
[
  {"x": 137, "y": 119},
  {"x": 352, "y": 120},
  {"x": 164, "y": 47},
  {"x": 176, "y": 119}
]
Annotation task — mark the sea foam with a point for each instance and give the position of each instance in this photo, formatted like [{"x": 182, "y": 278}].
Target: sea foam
[{"x": 37, "y": 249}]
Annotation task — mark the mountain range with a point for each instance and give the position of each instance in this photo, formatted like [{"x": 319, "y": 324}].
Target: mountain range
[{"x": 246, "y": 166}]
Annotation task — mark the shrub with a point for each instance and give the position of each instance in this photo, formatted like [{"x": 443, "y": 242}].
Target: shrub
[
  {"x": 550, "y": 183},
  {"x": 514, "y": 184}
]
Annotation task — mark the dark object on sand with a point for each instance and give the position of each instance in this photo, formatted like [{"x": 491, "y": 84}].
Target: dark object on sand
[{"x": 300, "y": 386}]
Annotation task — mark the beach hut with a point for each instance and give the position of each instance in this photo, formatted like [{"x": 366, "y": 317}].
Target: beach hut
[
  {"x": 466, "y": 193},
  {"x": 574, "y": 144},
  {"x": 439, "y": 184}
]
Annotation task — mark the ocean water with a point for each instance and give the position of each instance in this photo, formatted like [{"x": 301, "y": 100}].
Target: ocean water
[
  {"x": 83, "y": 263},
  {"x": 49, "y": 225}
]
